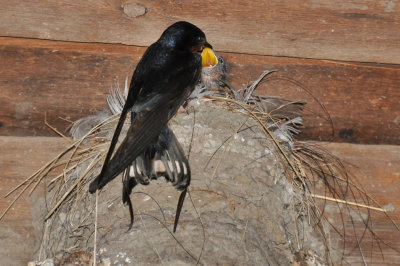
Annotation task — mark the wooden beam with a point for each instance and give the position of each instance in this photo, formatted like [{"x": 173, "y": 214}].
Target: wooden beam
[
  {"x": 376, "y": 167},
  {"x": 19, "y": 158},
  {"x": 365, "y": 31},
  {"x": 361, "y": 99},
  {"x": 71, "y": 80}
]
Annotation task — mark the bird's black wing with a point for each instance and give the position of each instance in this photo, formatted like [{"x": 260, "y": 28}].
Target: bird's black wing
[
  {"x": 164, "y": 90},
  {"x": 134, "y": 89},
  {"x": 144, "y": 130}
]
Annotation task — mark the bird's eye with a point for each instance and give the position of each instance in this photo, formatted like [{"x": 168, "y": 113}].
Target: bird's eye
[{"x": 199, "y": 39}]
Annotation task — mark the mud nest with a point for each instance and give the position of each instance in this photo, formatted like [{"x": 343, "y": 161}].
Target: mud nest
[
  {"x": 250, "y": 202},
  {"x": 241, "y": 208}
]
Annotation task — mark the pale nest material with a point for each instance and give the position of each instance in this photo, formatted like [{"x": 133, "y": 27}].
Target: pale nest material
[
  {"x": 249, "y": 211},
  {"x": 246, "y": 205},
  {"x": 242, "y": 208}
]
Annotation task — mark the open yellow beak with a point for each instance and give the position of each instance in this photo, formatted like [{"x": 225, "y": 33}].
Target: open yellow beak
[{"x": 208, "y": 58}]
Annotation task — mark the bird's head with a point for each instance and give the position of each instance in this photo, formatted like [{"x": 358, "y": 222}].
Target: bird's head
[{"x": 184, "y": 36}]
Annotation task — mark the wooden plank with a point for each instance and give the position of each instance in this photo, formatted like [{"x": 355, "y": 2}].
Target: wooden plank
[
  {"x": 352, "y": 30},
  {"x": 71, "y": 80},
  {"x": 361, "y": 99},
  {"x": 19, "y": 158},
  {"x": 376, "y": 167},
  {"x": 61, "y": 79}
]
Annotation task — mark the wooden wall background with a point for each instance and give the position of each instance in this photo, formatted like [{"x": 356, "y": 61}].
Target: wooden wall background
[{"x": 60, "y": 57}]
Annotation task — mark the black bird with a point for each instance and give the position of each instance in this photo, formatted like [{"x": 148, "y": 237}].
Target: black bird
[{"x": 162, "y": 81}]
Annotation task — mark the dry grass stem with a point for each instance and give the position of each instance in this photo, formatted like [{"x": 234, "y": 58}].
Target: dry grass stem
[
  {"x": 348, "y": 202},
  {"x": 92, "y": 164},
  {"x": 95, "y": 230}
]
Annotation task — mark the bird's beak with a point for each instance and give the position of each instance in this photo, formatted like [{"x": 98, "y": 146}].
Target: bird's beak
[{"x": 208, "y": 57}]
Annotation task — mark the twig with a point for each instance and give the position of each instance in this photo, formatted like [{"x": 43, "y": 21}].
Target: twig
[
  {"x": 56, "y": 158},
  {"x": 347, "y": 202},
  {"x": 96, "y": 160},
  {"x": 15, "y": 199},
  {"x": 95, "y": 230},
  {"x": 72, "y": 167},
  {"x": 202, "y": 226},
  {"x": 247, "y": 109},
  {"x": 226, "y": 148},
  {"x": 147, "y": 239},
  {"x": 107, "y": 121},
  {"x": 54, "y": 129}
]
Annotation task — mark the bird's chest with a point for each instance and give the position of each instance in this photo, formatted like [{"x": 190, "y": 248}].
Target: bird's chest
[{"x": 178, "y": 72}]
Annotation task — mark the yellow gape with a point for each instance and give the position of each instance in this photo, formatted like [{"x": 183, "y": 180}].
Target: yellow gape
[{"x": 208, "y": 58}]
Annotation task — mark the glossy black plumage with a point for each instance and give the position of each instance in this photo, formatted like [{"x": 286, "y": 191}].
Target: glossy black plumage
[
  {"x": 162, "y": 81},
  {"x": 164, "y": 158}
]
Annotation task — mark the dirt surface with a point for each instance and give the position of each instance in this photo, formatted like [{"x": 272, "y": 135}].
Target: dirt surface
[{"x": 241, "y": 209}]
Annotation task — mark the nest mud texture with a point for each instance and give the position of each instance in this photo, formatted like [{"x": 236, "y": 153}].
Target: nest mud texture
[{"x": 241, "y": 208}]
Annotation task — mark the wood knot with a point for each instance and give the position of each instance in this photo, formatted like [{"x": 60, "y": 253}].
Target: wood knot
[{"x": 133, "y": 10}]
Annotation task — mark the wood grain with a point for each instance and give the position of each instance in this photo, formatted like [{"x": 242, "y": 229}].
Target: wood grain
[
  {"x": 351, "y": 30},
  {"x": 376, "y": 167},
  {"x": 361, "y": 99},
  {"x": 71, "y": 80},
  {"x": 19, "y": 158}
]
